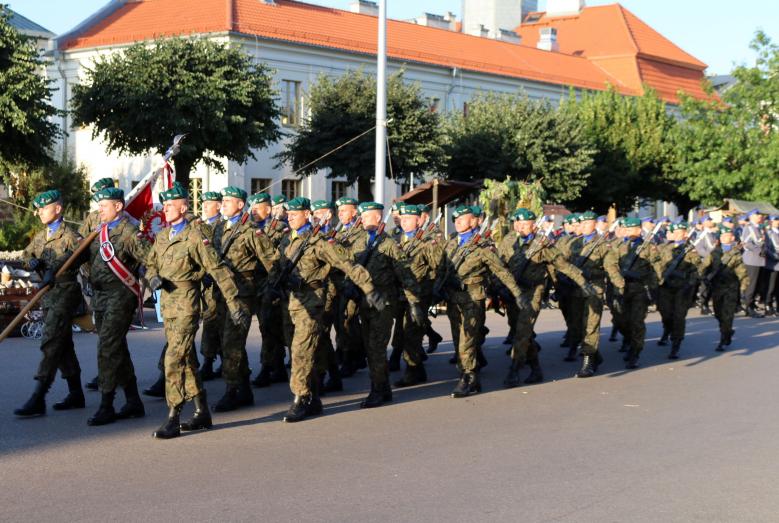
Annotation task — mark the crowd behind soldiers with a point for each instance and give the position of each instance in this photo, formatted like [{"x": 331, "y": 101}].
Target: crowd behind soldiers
[{"x": 372, "y": 279}]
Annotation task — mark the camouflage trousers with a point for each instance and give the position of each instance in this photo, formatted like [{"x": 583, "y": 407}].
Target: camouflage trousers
[
  {"x": 673, "y": 304},
  {"x": 347, "y": 328},
  {"x": 631, "y": 319},
  {"x": 57, "y": 348},
  {"x": 304, "y": 324},
  {"x": 566, "y": 300},
  {"x": 114, "y": 365},
  {"x": 725, "y": 302},
  {"x": 413, "y": 353},
  {"x": 466, "y": 319},
  {"x": 272, "y": 331},
  {"x": 325, "y": 355},
  {"x": 213, "y": 321},
  {"x": 512, "y": 317},
  {"x": 588, "y": 312},
  {"x": 182, "y": 381},
  {"x": 235, "y": 362},
  {"x": 398, "y": 341},
  {"x": 524, "y": 349},
  {"x": 376, "y": 333}
]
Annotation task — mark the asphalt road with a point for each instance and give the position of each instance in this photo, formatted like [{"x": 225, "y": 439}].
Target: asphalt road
[{"x": 688, "y": 440}]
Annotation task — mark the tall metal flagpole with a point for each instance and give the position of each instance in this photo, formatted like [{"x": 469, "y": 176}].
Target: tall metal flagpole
[{"x": 381, "y": 104}]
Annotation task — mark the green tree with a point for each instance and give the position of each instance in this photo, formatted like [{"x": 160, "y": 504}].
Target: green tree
[
  {"x": 72, "y": 181},
  {"x": 729, "y": 148},
  {"x": 139, "y": 99},
  {"x": 345, "y": 107},
  {"x": 631, "y": 135},
  {"x": 26, "y": 132},
  {"x": 509, "y": 135}
]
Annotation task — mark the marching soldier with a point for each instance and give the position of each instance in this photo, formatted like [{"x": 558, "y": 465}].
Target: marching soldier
[
  {"x": 728, "y": 279},
  {"x": 678, "y": 267},
  {"x": 435, "y": 236},
  {"x": 177, "y": 262},
  {"x": 279, "y": 208},
  {"x": 246, "y": 251},
  {"x": 461, "y": 281},
  {"x": 272, "y": 353},
  {"x": 114, "y": 258},
  {"x": 636, "y": 254},
  {"x": 753, "y": 240},
  {"x": 593, "y": 255},
  {"x": 563, "y": 290},
  {"x": 530, "y": 258},
  {"x": 772, "y": 262},
  {"x": 299, "y": 273},
  {"x": 211, "y": 338},
  {"x": 45, "y": 254}
]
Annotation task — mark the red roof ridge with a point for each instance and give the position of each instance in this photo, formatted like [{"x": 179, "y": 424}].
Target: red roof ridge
[{"x": 626, "y": 26}]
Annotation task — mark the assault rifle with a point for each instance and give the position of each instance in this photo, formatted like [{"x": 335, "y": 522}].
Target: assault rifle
[{"x": 462, "y": 252}]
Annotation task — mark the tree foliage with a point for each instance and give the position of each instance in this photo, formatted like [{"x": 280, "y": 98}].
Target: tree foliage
[
  {"x": 139, "y": 99},
  {"x": 510, "y": 136},
  {"x": 345, "y": 107},
  {"x": 631, "y": 136},
  {"x": 730, "y": 148},
  {"x": 26, "y": 131}
]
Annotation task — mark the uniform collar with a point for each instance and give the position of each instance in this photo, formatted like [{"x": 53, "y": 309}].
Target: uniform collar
[
  {"x": 54, "y": 226},
  {"x": 114, "y": 223},
  {"x": 305, "y": 228},
  {"x": 528, "y": 238},
  {"x": 176, "y": 229},
  {"x": 215, "y": 218},
  {"x": 234, "y": 219},
  {"x": 589, "y": 237},
  {"x": 465, "y": 236},
  {"x": 410, "y": 234},
  {"x": 727, "y": 247}
]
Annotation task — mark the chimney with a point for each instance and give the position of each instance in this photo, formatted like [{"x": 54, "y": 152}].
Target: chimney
[
  {"x": 509, "y": 36},
  {"x": 547, "y": 40},
  {"x": 564, "y": 7},
  {"x": 432, "y": 20},
  {"x": 364, "y": 7},
  {"x": 495, "y": 14}
]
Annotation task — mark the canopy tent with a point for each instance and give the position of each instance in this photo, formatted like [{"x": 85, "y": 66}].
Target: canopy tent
[{"x": 439, "y": 192}]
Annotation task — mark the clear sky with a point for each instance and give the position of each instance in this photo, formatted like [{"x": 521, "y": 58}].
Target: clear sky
[{"x": 717, "y": 32}]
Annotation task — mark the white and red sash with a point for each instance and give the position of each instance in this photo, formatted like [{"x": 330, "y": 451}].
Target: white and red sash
[{"x": 108, "y": 255}]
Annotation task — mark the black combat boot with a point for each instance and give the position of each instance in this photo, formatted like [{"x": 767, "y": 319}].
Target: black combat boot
[
  {"x": 245, "y": 394},
  {"x": 663, "y": 341},
  {"x": 721, "y": 344},
  {"x": 133, "y": 408},
  {"x": 299, "y": 409},
  {"x": 413, "y": 376},
  {"x": 453, "y": 360},
  {"x": 508, "y": 340},
  {"x": 172, "y": 426},
  {"x": 590, "y": 365},
  {"x": 105, "y": 413},
  {"x": 613, "y": 335},
  {"x": 75, "y": 397},
  {"x": 378, "y": 396},
  {"x": 263, "y": 378},
  {"x": 632, "y": 359},
  {"x": 201, "y": 419},
  {"x": 625, "y": 347},
  {"x": 512, "y": 378},
  {"x": 207, "y": 370},
  {"x": 394, "y": 359},
  {"x": 93, "y": 385},
  {"x": 674, "y": 355},
  {"x": 157, "y": 390},
  {"x": 229, "y": 401},
  {"x": 752, "y": 312},
  {"x": 536, "y": 375},
  {"x": 36, "y": 405},
  {"x": 573, "y": 351},
  {"x": 348, "y": 367},
  {"x": 481, "y": 360},
  {"x": 334, "y": 383},
  {"x": 566, "y": 341},
  {"x": 433, "y": 339},
  {"x": 729, "y": 337},
  {"x": 469, "y": 384}
]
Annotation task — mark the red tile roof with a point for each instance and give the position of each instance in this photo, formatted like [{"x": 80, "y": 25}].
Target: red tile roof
[
  {"x": 624, "y": 46},
  {"x": 597, "y": 49}
]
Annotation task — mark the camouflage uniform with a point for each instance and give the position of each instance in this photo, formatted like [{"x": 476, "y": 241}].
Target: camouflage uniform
[
  {"x": 544, "y": 258},
  {"x": 347, "y": 323},
  {"x": 729, "y": 279},
  {"x": 114, "y": 305},
  {"x": 305, "y": 292},
  {"x": 213, "y": 315},
  {"x": 640, "y": 282},
  {"x": 676, "y": 296},
  {"x": 181, "y": 262},
  {"x": 390, "y": 273},
  {"x": 248, "y": 253},
  {"x": 565, "y": 294},
  {"x": 273, "y": 342},
  {"x": 58, "y": 305}
]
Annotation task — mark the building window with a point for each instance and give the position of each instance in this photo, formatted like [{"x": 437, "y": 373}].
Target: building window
[
  {"x": 291, "y": 103},
  {"x": 261, "y": 185},
  {"x": 290, "y": 188},
  {"x": 338, "y": 190}
]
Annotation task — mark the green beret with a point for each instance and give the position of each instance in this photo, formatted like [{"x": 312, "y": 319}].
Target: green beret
[
  {"x": 212, "y": 196},
  {"x": 234, "y": 192},
  {"x": 587, "y": 216},
  {"x": 345, "y": 200},
  {"x": 423, "y": 207},
  {"x": 318, "y": 205},
  {"x": 279, "y": 199},
  {"x": 47, "y": 197},
  {"x": 396, "y": 206},
  {"x": 260, "y": 197},
  {"x": 177, "y": 192},
  {"x": 681, "y": 226},
  {"x": 370, "y": 206},
  {"x": 298, "y": 204},
  {"x": 523, "y": 214},
  {"x": 631, "y": 222},
  {"x": 461, "y": 210},
  {"x": 723, "y": 229},
  {"x": 410, "y": 210},
  {"x": 477, "y": 210},
  {"x": 110, "y": 193},
  {"x": 102, "y": 183}
]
